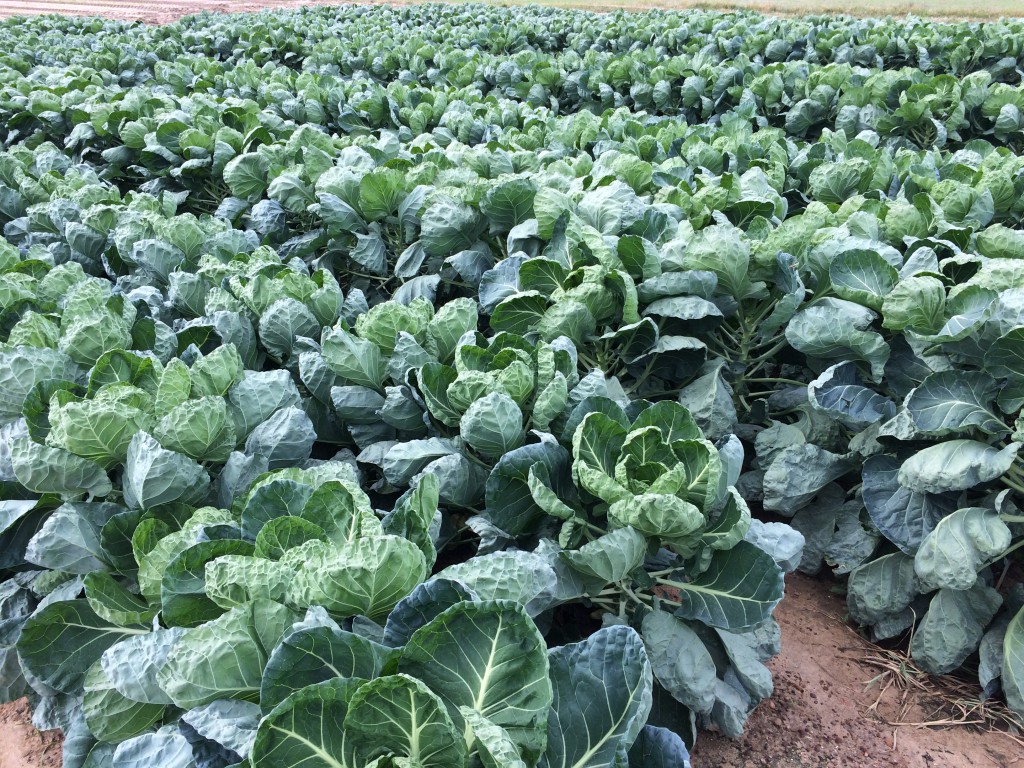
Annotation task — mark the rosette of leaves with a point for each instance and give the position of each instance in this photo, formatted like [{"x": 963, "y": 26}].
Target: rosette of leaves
[
  {"x": 151, "y": 434},
  {"x": 362, "y": 373},
  {"x": 659, "y": 537},
  {"x": 478, "y": 412},
  {"x": 183, "y": 607},
  {"x": 561, "y": 291}
]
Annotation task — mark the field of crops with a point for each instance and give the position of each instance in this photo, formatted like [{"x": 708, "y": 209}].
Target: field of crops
[{"x": 441, "y": 387}]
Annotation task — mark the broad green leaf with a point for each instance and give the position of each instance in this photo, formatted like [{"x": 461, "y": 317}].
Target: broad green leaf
[
  {"x": 881, "y": 587},
  {"x": 112, "y": 601},
  {"x": 955, "y": 465},
  {"x": 398, "y": 715},
  {"x": 602, "y": 696},
  {"x": 492, "y": 742},
  {"x": 98, "y": 431},
  {"x": 738, "y": 591},
  {"x": 608, "y": 558},
  {"x": 904, "y": 516},
  {"x": 917, "y": 303},
  {"x": 863, "y": 276},
  {"x": 960, "y": 545},
  {"x": 228, "y": 723},
  {"x": 798, "y": 473},
  {"x": 680, "y": 660},
  {"x": 491, "y": 658},
  {"x": 952, "y": 628},
  {"x": 658, "y": 748},
  {"x": 313, "y": 655},
  {"x": 365, "y": 577},
  {"x": 306, "y": 728},
  {"x": 59, "y": 643},
  {"x": 423, "y": 605},
  {"x": 200, "y": 429},
  {"x": 838, "y": 329},
  {"x": 211, "y": 577},
  {"x": 21, "y": 368},
  {"x": 69, "y": 540},
  {"x": 109, "y": 715},
  {"x": 493, "y": 425},
  {"x": 356, "y": 360},
  {"x": 42, "y": 469},
  {"x": 246, "y": 176},
  {"x": 1005, "y": 358},
  {"x": 508, "y": 500},
  {"x": 224, "y": 658},
  {"x": 166, "y": 747},
  {"x": 954, "y": 402},
  {"x": 659, "y": 515},
  {"x": 155, "y": 476},
  {"x": 132, "y": 664},
  {"x": 1013, "y": 663}
]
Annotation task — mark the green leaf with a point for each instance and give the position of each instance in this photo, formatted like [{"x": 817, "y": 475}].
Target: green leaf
[
  {"x": 489, "y": 657},
  {"x": 1005, "y": 358},
  {"x": 836, "y": 329},
  {"x": 356, "y": 360},
  {"x": 738, "y": 591},
  {"x": 69, "y": 540},
  {"x": 246, "y": 176},
  {"x": 1013, "y": 663},
  {"x": 863, "y": 276},
  {"x": 42, "y": 469},
  {"x": 154, "y": 476},
  {"x": 365, "y": 577},
  {"x": 680, "y": 660},
  {"x": 492, "y": 742},
  {"x": 917, "y": 303},
  {"x": 658, "y": 748},
  {"x": 798, "y": 472},
  {"x": 132, "y": 665},
  {"x": 904, "y": 516},
  {"x": 306, "y": 729},
  {"x": 961, "y": 545},
  {"x": 659, "y": 515},
  {"x": 224, "y": 658},
  {"x": 602, "y": 696},
  {"x": 114, "y": 603},
  {"x": 520, "y": 313},
  {"x": 398, "y": 715},
  {"x": 952, "y": 628},
  {"x": 110, "y": 716},
  {"x": 881, "y": 588},
  {"x": 187, "y": 599},
  {"x": 59, "y": 643},
  {"x": 955, "y": 465},
  {"x": 310, "y": 656},
  {"x": 493, "y": 425},
  {"x": 953, "y": 402},
  {"x": 610, "y": 557}
]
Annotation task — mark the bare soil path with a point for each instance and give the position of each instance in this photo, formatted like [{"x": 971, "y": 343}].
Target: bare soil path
[{"x": 822, "y": 713}]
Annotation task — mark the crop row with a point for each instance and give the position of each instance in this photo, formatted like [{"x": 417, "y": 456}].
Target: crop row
[{"x": 441, "y": 387}]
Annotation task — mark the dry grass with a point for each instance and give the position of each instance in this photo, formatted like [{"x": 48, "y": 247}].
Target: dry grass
[{"x": 923, "y": 700}]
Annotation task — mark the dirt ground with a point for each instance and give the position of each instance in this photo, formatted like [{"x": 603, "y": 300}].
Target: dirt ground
[
  {"x": 821, "y": 715},
  {"x": 21, "y": 745}
]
